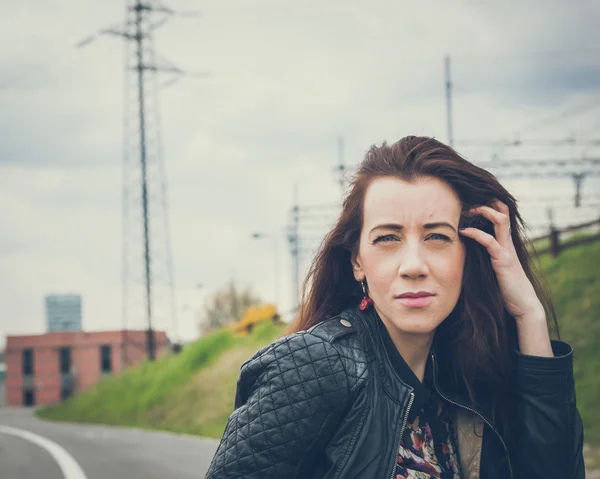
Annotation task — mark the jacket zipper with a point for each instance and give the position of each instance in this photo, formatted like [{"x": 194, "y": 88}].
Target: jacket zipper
[
  {"x": 410, "y": 403},
  {"x": 435, "y": 383}
]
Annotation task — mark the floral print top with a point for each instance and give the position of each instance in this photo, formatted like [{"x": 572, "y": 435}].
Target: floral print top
[{"x": 427, "y": 449}]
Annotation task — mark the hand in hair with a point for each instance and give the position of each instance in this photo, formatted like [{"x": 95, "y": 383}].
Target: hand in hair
[{"x": 517, "y": 291}]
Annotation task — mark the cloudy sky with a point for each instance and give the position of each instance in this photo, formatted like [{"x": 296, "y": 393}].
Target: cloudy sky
[{"x": 284, "y": 83}]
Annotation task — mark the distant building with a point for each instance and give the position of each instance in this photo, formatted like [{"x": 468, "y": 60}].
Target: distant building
[
  {"x": 2, "y": 381},
  {"x": 63, "y": 312},
  {"x": 49, "y": 368}
]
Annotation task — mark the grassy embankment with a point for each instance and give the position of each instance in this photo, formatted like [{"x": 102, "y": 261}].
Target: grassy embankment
[
  {"x": 574, "y": 279},
  {"x": 193, "y": 392}
]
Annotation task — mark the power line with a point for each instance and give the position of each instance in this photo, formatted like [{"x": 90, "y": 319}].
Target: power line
[
  {"x": 142, "y": 19},
  {"x": 529, "y": 142},
  {"x": 321, "y": 207},
  {"x": 547, "y": 174},
  {"x": 540, "y": 163},
  {"x": 582, "y": 107}
]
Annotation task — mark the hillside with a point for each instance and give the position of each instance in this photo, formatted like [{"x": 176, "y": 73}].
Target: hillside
[
  {"x": 193, "y": 392},
  {"x": 574, "y": 278},
  {"x": 190, "y": 393}
]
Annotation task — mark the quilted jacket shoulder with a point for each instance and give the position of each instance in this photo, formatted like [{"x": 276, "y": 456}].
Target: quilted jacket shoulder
[
  {"x": 290, "y": 397},
  {"x": 344, "y": 334}
]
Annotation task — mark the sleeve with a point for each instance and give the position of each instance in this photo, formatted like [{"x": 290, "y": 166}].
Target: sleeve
[
  {"x": 549, "y": 442},
  {"x": 289, "y": 398}
]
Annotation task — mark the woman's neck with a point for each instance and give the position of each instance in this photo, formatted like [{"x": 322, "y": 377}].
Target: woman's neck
[{"x": 414, "y": 348}]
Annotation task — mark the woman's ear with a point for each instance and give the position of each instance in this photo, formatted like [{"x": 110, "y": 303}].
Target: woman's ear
[{"x": 359, "y": 274}]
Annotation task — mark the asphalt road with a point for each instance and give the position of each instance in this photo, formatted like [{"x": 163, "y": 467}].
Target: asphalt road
[{"x": 31, "y": 448}]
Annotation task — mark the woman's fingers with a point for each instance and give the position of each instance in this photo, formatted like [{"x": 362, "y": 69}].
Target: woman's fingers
[
  {"x": 500, "y": 218},
  {"x": 483, "y": 238}
]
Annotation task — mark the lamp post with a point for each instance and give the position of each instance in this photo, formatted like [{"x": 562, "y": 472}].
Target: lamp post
[{"x": 275, "y": 262}]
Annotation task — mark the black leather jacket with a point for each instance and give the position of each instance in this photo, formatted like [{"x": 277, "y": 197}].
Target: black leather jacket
[{"x": 327, "y": 403}]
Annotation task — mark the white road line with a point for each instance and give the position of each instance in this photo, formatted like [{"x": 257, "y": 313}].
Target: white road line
[{"x": 68, "y": 465}]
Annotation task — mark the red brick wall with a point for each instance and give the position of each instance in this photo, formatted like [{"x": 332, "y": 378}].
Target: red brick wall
[
  {"x": 85, "y": 360},
  {"x": 14, "y": 379},
  {"x": 46, "y": 376}
]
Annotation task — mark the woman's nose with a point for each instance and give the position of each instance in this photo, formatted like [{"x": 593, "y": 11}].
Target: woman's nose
[{"x": 412, "y": 264}]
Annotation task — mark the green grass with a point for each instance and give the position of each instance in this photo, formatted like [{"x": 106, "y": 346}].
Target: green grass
[
  {"x": 574, "y": 278},
  {"x": 179, "y": 393},
  {"x": 194, "y": 391},
  {"x": 541, "y": 244}
]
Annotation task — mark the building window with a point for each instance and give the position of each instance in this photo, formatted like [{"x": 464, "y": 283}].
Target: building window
[
  {"x": 27, "y": 362},
  {"x": 105, "y": 359},
  {"x": 65, "y": 360},
  {"x": 28, "y": 397}
]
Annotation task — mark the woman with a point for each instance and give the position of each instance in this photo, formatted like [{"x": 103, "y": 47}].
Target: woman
[{"x": 422, "y": 348}]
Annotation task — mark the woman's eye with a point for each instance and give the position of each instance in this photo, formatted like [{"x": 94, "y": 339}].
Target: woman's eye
[
  {"x": 391, "y": 237},
  {"x": 439, "y": 236},
  {"x": 385, "y": 238}
]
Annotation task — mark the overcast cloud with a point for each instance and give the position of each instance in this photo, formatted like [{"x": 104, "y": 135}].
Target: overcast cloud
[{"x": 285, "y": 82}]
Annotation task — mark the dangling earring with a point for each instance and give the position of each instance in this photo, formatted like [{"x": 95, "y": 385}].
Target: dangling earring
[{"x": 366, "y": 301}]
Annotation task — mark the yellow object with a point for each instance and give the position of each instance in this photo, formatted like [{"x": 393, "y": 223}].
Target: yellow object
[{"x": 252, "y": 316}]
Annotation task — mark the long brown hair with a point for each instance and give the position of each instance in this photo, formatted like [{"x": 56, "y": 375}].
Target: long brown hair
[{"x": 479, "y": 336}]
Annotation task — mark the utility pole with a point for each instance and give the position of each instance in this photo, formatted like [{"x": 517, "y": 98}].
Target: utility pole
[
  {"x": 341, "y": 167},
  {"x": 275, "y": 264},
  {"x": 293, "y": 238},
  {"x": 449, "y": 101},
  {"x": 315, "y": 219},
  {"x": 141, "y": 68},
  {"x": 148, "y": 196},
  {"x": 578, "y": 178}
]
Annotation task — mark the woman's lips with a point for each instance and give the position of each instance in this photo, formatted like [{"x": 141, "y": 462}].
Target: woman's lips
[{"x": 419, "y": 302}]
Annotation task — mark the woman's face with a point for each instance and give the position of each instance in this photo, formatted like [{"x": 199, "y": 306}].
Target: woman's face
[{"x": 410, "y": 243}]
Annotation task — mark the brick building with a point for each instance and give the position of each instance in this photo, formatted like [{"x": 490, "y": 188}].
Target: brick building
[
  {"x": 49, "y": 368},
  {"x": 2, "y": 383}
]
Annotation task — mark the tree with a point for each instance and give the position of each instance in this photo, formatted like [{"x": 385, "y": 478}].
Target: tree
[{"x": 226, "y": 307}]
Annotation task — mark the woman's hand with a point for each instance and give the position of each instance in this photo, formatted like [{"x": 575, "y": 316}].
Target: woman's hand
[{"x": 518, "y": 292}]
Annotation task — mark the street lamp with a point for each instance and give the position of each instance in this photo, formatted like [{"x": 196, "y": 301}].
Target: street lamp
[{"x": 275, "y": 262}]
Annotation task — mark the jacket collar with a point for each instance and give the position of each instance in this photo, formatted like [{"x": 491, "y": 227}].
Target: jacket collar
[
  {"x": 393, "y": 379},
  {"x": 422, "y": 390},
  {"x": 395, "y": 386}
]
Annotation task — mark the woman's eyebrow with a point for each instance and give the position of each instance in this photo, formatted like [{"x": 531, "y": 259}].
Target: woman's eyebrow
[{"x": 427, "y": 226}]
